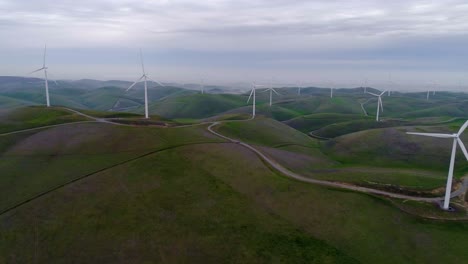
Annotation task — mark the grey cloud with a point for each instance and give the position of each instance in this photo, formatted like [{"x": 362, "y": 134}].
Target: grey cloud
[{"x": 349, "y": 32}]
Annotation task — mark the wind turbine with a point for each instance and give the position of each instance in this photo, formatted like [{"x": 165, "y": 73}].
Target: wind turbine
[
  {"x": 44, "y": 68},
  {"x": 331, "y": 88},
  {"x": 365, "y": 86},
  {"x": 144, "y": 77},
  {"x": 299, "y": 84},
  {"x": 254, "y": 86},
  {"x": 379, "y": 103},
  {"x": 427, "y": 96},
  {"x": 202, "y": 86},
  {"x": 456, "y": 139},
  {"x": 271, "y": 92}
]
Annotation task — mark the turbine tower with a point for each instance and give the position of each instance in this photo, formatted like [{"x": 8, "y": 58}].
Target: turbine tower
[
  {"x": 456, "y": 139},
  {"x": 365, "y": 86},
  {"x": 44, "y": 68},
  {"x": 271, "y": 92},
  {"x": 254, "y": 87},
  {"x": 379, "y": 103},
  {"x": 144, "y": 77},
  {"x": 202, "y": 86},
  {"x": 299, "y": 84}
]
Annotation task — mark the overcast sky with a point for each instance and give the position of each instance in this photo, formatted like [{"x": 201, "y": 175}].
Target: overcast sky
[{"x": 337, "y": 41}]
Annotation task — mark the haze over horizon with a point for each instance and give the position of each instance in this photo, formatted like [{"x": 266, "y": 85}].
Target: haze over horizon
[{"x": 345, "y": 42}]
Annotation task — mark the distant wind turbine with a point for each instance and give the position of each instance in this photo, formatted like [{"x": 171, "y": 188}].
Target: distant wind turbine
[
  {"x": 365, "y": 86},
  {"x": 456, "y": 139},
  {"x": 144, "y": 77},
  {"x": 202, "y": 86},
  {"x": 379, "y": 103},
  {"x": 299, "y": 86},
  {"x": 271, "y": 92},
  {"x": 331, "y": 88},
  {"x": 254, "y": 87},
  {"x": 44, "y": 68}
]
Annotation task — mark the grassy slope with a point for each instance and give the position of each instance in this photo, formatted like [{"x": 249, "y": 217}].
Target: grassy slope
[
  {"x": 164, "y": 207},
  {"x": 308, "y": 123},
  {"x": 223, "y": 206},
  {"x": 196, "y": 106},
  {"x": 302, "y": 154},
  {"x": 267, "y": 132},
  {"x": 10, "y": 103},
  {"x": 391, "y": 147},
  {"x": 30, "y": 117},
  {"x": 74, "y": 151}
]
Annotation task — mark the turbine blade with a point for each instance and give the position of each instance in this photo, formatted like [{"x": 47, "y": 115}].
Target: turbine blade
[
  {"x": 275, "y": 91},
  {"x": 383, "y": 93},
  {"x": 160, "y": 84},
  {"x": 137, "y": 81},
  {"x": 373, "y": 94},
  {"x": 251, "y": 92},
  {"x": 463, "y": 128},
  {"x": 142, "y": 64},
  {"x": 37, "y": 70},
  {"x": 381, "y": 103},
  {"x": 265, "y": 90},
  {"x": 45, "y": 51},
  {"x": 437, "y": 135},
  {"x": 462, "y": 146}
]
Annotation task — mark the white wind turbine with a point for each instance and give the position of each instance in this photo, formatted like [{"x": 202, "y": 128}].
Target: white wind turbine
[
  {"x": 331, "y": 84},
  {"x": 44, "y": 68},
  {"x": 144, "y": 77},
  {"x": 254, "y": 87},
  {"x": 365, "y": 85},
  {"x": 456, "y": 139},
  {"x": 299, "y": 86},
  {"x": 202, "y": 86},
  {"x": 379, "y": 103},
  {"x": 271, "y": 92}
]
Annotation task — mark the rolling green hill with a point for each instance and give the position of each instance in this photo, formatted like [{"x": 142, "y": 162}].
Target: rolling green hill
[
  {"x": 35, "y": 116},
  {"x": 392, "y": 147},
  {"x": 174, "y": 195},
  {"x": 196, "y": 105},
  {"x": 153, "y": 192}
]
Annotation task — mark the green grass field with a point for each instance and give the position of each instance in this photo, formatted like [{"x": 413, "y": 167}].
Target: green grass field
[
  {"x": 267, "y": 132},
  {"x": 95, "y": 192},
  {"x": 196, "y": 106},
  {"x": 225, "y": 205},
  {"x": 36, "y": 116}
]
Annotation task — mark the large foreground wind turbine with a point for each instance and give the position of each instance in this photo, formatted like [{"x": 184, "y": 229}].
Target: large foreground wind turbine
[
  {"x": 379, "y": 103},
  {"x": 252, "y": 93},
  {"x": 271, "y": 92},
  {"x": 44, "y": 68},
  {"x": 456, "y": 139},
  {"x": 145, "y": 78}
]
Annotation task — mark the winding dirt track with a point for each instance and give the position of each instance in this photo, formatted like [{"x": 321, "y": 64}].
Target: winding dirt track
[
  {"x": 270, "y": 161},
  {"x": 293, "y": 175}
]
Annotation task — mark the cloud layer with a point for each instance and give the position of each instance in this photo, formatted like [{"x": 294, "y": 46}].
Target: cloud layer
[{"x": 336, "y": 39}]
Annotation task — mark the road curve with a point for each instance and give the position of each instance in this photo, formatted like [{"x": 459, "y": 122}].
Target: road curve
[{"x": 298, "y": 177}]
